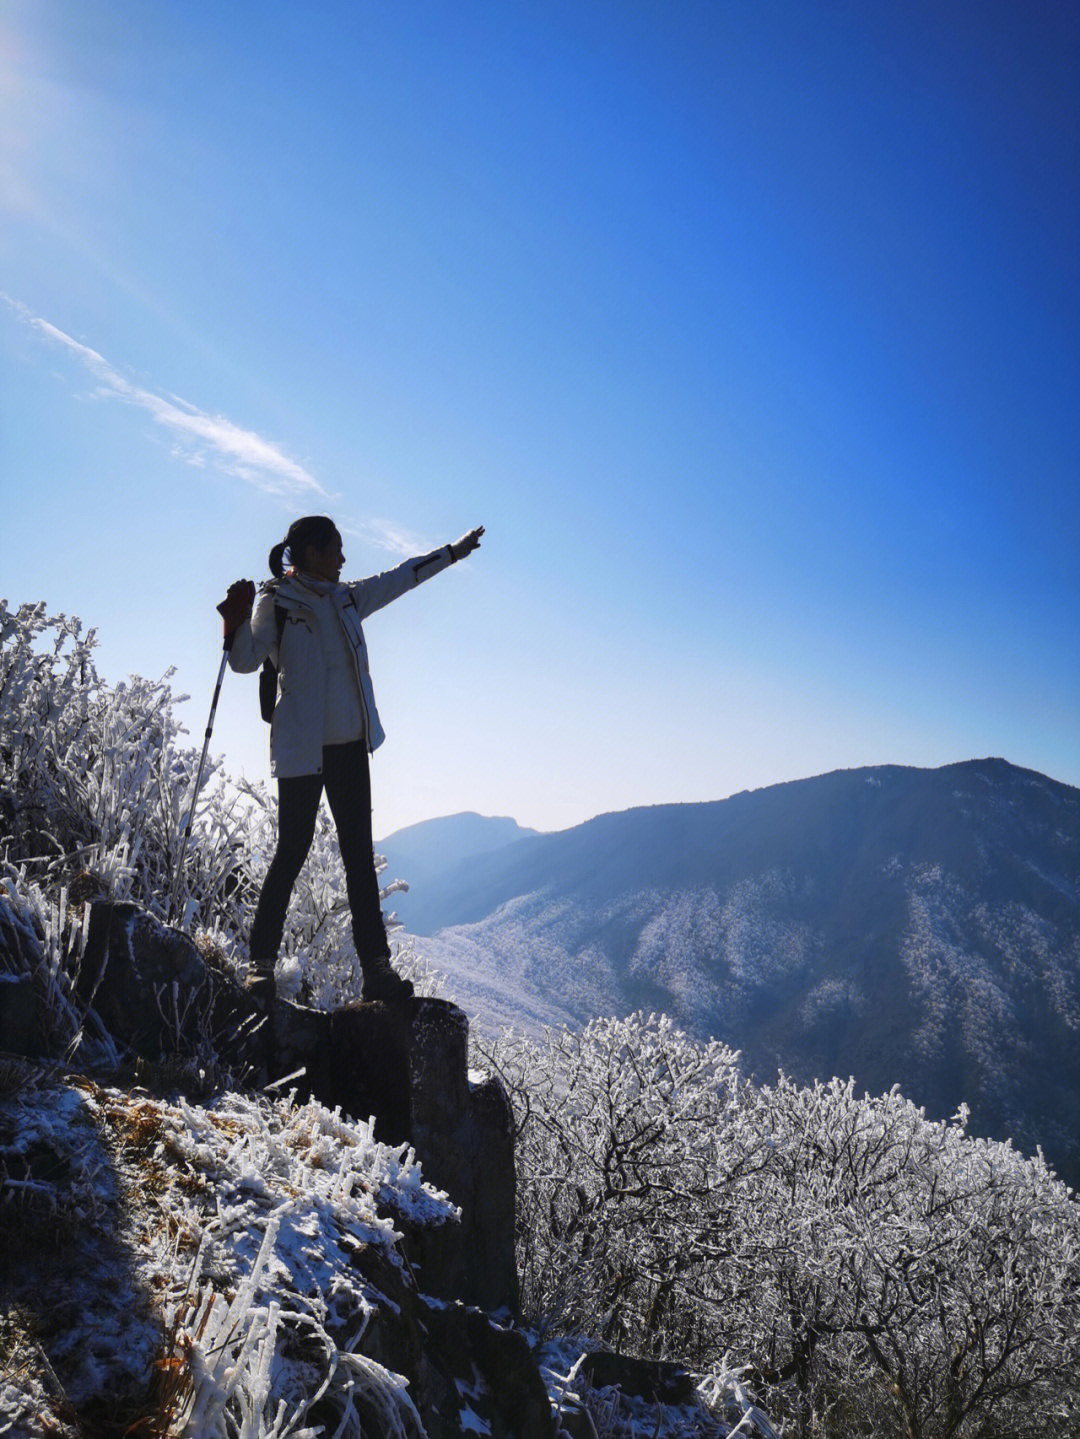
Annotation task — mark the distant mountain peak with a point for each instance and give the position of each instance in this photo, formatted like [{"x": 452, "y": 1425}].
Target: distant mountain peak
[{"x": 901, "y": 924}]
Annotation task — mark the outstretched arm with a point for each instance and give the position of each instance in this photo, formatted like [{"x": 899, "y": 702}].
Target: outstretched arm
[
  {"x": 378, "y": 590},
  {"x": 458, "y": 551}
]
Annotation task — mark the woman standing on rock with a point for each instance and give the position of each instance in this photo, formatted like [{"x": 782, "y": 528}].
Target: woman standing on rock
[{"x": 325, "y": 724}]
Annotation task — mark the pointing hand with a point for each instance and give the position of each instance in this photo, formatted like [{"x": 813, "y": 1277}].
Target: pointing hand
[{"x": 465, "y": 546}]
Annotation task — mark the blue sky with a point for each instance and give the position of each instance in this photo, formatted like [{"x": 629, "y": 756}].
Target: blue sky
[{"x": 749, "y": 331}]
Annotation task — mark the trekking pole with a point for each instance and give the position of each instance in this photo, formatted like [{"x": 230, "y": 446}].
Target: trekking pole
[{"x": 199, "y": 774}]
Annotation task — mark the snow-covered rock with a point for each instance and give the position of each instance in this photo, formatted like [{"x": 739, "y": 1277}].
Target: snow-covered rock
[{"x": 228, "y": 1267}]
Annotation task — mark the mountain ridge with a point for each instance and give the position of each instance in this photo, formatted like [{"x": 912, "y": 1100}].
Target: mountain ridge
[
  {"x": 898, "y": 924},
  {"x": 424, "y": 854},
  {"x": 465, "y": 904}
]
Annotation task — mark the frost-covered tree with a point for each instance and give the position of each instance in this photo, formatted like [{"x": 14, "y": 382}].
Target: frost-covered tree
[
  {"x": 926, "y": 1269},
  {"x": 884, "y": 1275},
  {"x": 623, "y": 1145}
]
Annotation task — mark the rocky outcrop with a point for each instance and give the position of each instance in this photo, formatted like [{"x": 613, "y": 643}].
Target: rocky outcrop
[
  {"x": 107, "y": 1195},
  {"x": 405, "y": 1064},
  {"x": 447, "y": 1325},
  {"x": 112, "y": 1177},
  {"x": 147, "y": 982}
]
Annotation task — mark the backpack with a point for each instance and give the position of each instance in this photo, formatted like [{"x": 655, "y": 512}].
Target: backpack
[{"x": 268, "y": 675}]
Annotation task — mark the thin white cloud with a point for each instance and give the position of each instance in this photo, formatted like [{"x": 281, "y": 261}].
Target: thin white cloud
[
  {"x": 386, "y": 535},
  {"x": 195, "y": 458},
  {"x": 199, "y": 437}
]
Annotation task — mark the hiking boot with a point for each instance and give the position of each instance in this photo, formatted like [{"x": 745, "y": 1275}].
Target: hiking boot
[
  {"x": 382, "y": 982},
  {"x": 259, "y": 987}
]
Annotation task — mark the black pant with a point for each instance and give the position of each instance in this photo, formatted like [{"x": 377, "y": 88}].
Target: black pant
[{"x": 347, "y": 780}]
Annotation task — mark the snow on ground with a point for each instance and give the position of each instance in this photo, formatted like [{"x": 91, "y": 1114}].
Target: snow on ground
[{"x": 139, "y": 1230}]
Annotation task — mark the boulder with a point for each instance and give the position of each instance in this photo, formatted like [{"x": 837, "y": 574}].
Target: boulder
[
  {"x": 488, "y": 1371},
  {"x": 652, "y": 1379},
  {"x": 157, "y": 996},
  {"x": 147, "y": 982}
]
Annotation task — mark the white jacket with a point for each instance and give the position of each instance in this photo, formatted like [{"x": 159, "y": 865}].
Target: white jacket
[{"x": 325, "y": 692}]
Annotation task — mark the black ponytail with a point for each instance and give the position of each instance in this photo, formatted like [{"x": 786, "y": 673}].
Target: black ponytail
[{"x": 315, "y": 530}]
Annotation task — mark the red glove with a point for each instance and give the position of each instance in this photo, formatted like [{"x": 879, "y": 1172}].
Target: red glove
[{"x": 235, "y": 608}]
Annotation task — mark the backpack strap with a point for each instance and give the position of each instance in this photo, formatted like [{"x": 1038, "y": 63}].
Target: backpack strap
[{"x": 268, "y": 675}]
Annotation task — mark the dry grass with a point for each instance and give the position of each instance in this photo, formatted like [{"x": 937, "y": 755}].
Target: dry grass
[{"x": 137, "y": 1127}]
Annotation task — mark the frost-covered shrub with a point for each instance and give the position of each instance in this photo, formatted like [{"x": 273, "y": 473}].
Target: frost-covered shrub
[
  {"x": 223, "y": 1263},
  {"x": 95, "y": 792},
  {"x": 925, "y": 1273},
  {"x": 883, "y": 1274},
  {"x": 621, "y": 1141}
]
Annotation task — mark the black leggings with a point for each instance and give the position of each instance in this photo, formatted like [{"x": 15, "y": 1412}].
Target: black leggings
[{"x": 347, "y": 781}]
